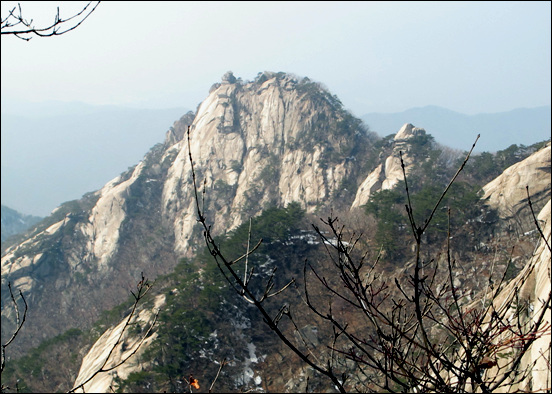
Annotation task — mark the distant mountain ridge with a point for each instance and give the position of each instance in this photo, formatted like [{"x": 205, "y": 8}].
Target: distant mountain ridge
[
  {"x": 71, "y": 139},
  {"x": 14, "y": 222},
  {"x": 456, "y": 130}
]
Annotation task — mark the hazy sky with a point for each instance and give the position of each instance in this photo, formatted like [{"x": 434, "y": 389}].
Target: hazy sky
[{"x": 470, "y": 57}]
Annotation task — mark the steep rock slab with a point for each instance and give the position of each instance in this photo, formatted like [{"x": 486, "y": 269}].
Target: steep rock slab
[
  {"x": 112, "y": 348},
  {"x": 533, "y": 288},
  {"x": 507, "y": 193}
]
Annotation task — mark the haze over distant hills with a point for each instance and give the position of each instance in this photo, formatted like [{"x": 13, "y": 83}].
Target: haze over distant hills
[
  {"x": 456, "y": 130},
  {"x": 54, "y": 152}
]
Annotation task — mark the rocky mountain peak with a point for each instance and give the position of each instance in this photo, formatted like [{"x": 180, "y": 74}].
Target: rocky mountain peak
[
  {"x": 274, "y": 140},
  {"x": 408, "y": 131},
  {"x": 267, "y": 142}
]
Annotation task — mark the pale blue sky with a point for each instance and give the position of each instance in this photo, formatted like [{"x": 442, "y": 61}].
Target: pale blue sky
[{"x": 470, "y": 57}]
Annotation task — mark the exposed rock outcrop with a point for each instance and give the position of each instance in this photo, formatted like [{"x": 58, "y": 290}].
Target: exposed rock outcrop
[
  {"x": 389, "y": 173},
  {"x": 535, "y": 287},
  {"x": 259, "y": 144},
  {"x": 114, "y": 347},
  {"x": 529, "y": 292},
  {"x": 408, "y": 131}
]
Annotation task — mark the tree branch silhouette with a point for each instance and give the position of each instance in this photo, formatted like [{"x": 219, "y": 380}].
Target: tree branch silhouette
[{"x": 419, "y": 333}]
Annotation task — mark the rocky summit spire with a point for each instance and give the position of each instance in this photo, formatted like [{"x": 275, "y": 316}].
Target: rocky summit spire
[{"x": 272, "y": 141}]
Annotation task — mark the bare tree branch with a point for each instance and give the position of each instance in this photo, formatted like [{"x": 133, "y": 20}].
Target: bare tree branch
[
  {"x": 17, "y": 25},
  {"x": 19, "y": 321},
  {"x": 222, "y": 364},
  {"x": 244, "y": 290}
]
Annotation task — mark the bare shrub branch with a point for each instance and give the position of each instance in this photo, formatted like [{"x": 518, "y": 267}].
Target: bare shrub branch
[
  {"x": 420, "y": 333},
  {"x": 143, "y": 287},
  {"x": 243, "y": 288}
]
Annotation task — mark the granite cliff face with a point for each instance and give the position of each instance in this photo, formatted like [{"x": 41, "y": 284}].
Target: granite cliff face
[
  {"x": 272, "y": 141},
  {"x": 508, "y": 194},
  {"x": 268, "y": 142},
  {"x": 129, "y": 344},
  {"x": 386, "y": 175},
  {"x": 533, "y": 283}
]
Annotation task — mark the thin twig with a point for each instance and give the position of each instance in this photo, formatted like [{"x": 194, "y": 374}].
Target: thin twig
[{"x": 222, "y": 364}]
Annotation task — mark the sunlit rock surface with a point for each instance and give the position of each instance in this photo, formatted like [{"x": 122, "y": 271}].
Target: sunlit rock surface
[
  {"x": 251, "y": 144},
  {"x": 267, "y": 142},
  {"x": 508, "y": 194}
]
